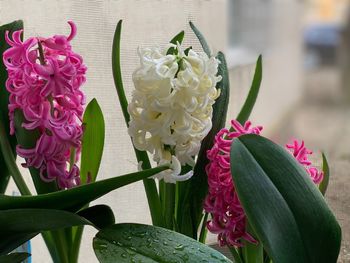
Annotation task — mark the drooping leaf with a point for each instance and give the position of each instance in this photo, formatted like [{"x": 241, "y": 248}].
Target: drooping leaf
[
  {"x": 194, "y": 190},
  {"x": 325, "y": 168},
  {"x": 201, "y": 39},
  {"x": 93, "y": 142},
  {"x": 19, "y": 225},
  {"x": 75, "y": 198},
  {"x": 101, "y": 215},
  {"x": 4, "y": 100},
  {"x": 14, "y": 257},
  {"x": 141, "y": 156},
  {"x": 143, "y": 243},
  {"x": 285, "y": 209},
  {"x": 176, "y": 39},
  {"x": 252, "y": 95}
]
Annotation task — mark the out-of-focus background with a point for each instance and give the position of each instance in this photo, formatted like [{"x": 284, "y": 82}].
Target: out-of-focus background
[{"x": 305, "y": 92}]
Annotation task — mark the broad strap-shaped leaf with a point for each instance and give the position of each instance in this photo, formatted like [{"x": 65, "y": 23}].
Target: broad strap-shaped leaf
[
  {"x": 190, "y": 209},
  {"x": 19, "y": 225},
  {"x": 75, "y": 198},
  {"x": 14, "y": 257},
  {"x": 252, "y": 95},
  {"x": 143, "y": 243},
  {"x": 4, "y": 100},
  {"x": 93, "y": 142},
  {"x": 285, "y": 209},
  {"x": 201, "y": 39},
  {"x": 325, "y": 168}
]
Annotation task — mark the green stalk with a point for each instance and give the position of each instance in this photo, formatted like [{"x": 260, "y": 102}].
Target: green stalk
[
  {"x": 149, "y": 184},
  {"x": 235, "y": 255},
  {"x": 11, "y": 162},
  {"x": 74, "y": 255},
  {"x": 203, "y": 233},
  {"x": 169, "y": 205}
]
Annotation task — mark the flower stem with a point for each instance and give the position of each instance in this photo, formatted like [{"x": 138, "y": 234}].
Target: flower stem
[
  {"x": 11, "y": 162},
  {"x": 203, "y": 233},
  {"x": 235, "y": 255},
  {"x": 169, "y": 205}
]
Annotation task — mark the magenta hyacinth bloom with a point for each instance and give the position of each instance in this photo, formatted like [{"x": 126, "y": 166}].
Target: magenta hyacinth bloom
[
  {"x": 228, "y": 217},
  {"x": 44, "y": 80}
]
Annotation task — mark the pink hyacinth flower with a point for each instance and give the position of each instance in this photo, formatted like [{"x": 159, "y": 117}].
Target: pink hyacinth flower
[
  {"x": 228, "y": 217},
  {"x": 44, "y": 80}
]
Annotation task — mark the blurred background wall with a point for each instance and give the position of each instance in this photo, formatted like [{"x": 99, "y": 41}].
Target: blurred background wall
[{"x": 300, "y": 41}]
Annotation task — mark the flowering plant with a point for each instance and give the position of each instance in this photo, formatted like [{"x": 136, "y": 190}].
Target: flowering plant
[{"x": 259, "y": 198}]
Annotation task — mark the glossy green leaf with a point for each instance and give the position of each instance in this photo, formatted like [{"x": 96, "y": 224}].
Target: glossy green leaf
[
  {"x": 177, "y": 39},
  {"x": 141, "y": 156},
  {"x": 93, "y": 142},
  {"x": 20, "y": 225},
  {"x": 285, "y": 209},
  {"x": 194, "y": 190},
  {"x": 101, "y": 215},
  {"x": 252, "y": 95},
  {"x": 325, "y": 168},
  {"x": 75, "y": 198},
  {"x": 4, "y": 99},
  {"x": 14, "y": 257},
  {"x": 142, "y": 243},
  {"x": 201, "y": 39}
]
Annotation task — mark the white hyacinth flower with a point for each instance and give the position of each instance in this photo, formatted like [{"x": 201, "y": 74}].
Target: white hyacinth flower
[{"x": 171, "y": 107}]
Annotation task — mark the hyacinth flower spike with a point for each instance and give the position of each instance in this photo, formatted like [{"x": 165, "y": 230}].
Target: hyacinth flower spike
[
  {"x": 44, "y": 80},
  {"x": 229, "y": 220}
]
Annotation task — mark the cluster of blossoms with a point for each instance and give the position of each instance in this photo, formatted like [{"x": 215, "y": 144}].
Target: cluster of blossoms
[
  {"x": 171, "y": 107},
  {"x": 228, "y": 217},
  {"x": 44, "y": 79}
]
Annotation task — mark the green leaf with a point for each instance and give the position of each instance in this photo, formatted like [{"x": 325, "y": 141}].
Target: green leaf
[
  {"x": 325, "y": 168},
  {"x": 14, "y": 257},
  {"x": 20, "y": 225},
  {"x": 143, "y": 243},
  {"x": 93, "y": 142},
  {"x": 4, "y": 100},
  {"x": 201, "y": 39},
  {"x": 176, "y": 39},
  {"x": 101, "y": 215},
  {"x": 252, "y": 95},
  {"x": 285, "y": 209},
  {"x": 191, "y": 207},
  {"x": 75, "y": 198},
  {"x": 141, "y": 156}
]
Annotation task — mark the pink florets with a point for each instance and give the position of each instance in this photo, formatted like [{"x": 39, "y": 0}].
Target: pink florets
[
  {"x": 44, "y": 79},
  {"x": 228, "y": 217}
]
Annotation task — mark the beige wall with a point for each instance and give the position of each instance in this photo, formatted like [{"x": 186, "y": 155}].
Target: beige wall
[
  {"x": 149, "y": 23},
  {"x": 146, "y": 23}
]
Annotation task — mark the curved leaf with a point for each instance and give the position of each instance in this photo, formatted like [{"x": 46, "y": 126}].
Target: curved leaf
[
  {"x": 325, "y": 168},
  {"x": 252, "y": 95},
  {"x": 4, "y": 100},
  {"x": 75, "y": 198},
  {"x": 143, "y": 243},
  {"x": 201, "y": 39},
  {"x": 283, "y": 206},
  {"x": 20, "y": 225},
  {"x": 101, "y": 215},
  {"x": 14, "y": 257},
  {"x": 141, "y": 156},
  {"x": 93, "y": 142}
]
